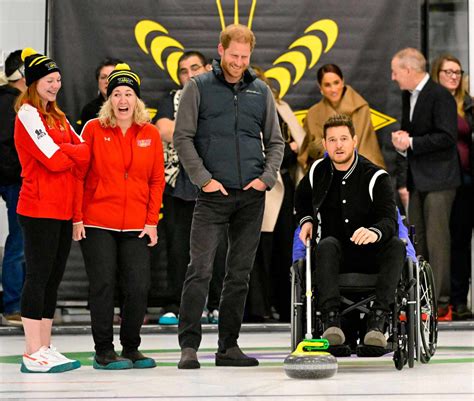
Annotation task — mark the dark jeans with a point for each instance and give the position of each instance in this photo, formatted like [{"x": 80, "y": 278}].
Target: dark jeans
[
  {"x": 461, "y": 234},
  {"x": 333, "y": 257},
  {"x": 13, "y": 265},
  {"x": 177, "y": 220},
  {"x": 108, "y": 256},
  {"x": 47, "y": 245},
  {"x": 240, "y": 213}
]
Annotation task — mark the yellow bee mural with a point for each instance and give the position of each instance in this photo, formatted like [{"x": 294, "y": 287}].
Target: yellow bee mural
[{"x": 310, "y": 39}]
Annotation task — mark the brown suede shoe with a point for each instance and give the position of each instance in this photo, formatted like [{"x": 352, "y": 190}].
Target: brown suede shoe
[
  {"x": 234, "y": 357},
  {"x": 188, "y": 359}
]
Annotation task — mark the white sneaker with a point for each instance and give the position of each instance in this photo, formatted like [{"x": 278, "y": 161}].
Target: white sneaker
[
  {"x": 213, "y": 316},
  {"x": 43, "y": 361},
  {"x": 53, "y": 351},
  {"x": 204, "y": 318}
]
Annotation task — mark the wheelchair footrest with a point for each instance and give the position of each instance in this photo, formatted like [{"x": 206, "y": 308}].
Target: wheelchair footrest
[
  {"x": 369, "y": 351},
  {"x": 339, "y": 351}
]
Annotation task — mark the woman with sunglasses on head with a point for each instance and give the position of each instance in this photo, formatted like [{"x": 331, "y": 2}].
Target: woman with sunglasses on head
[
  {"x": 50, "y": 154},
  {"x": 447, "y": 71}
]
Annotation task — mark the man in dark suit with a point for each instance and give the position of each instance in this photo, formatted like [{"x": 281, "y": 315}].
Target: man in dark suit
[{"x": 428, "y": 139}]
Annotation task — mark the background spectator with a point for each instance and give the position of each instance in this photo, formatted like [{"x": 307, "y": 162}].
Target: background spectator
[
  {"x": 91, "y": 109},
  {"x": 13, "y": 265},
  {"x": 339, "y": 98},
  {"x": 447, "y": 71},
  {"x": 179, "y": 200},
  {"x": 428, "y": 139}
]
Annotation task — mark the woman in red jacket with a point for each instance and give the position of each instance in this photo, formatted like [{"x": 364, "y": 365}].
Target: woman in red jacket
[
  {"x": 117, "y": 213},
  {"x": 50, "y": 152}
]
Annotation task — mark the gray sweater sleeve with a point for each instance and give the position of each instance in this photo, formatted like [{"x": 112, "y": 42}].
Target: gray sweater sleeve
[
  {"x": 184, "y": 132},
  {"x": 273, "y": 143}
]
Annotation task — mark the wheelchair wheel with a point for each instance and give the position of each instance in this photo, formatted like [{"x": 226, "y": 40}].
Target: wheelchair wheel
[
  {"x": 428, "y": 311},
  {"x": 400, "y": 358}
]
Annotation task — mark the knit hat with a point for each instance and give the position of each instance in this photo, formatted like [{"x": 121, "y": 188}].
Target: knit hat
[
  {"x": 123, "y": 76},
  {"x": 37, "y": 66},
  {"x": 14, "y": 66}
]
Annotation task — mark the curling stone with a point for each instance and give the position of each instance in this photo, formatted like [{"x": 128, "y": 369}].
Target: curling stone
[{"x": 309, "y": 362}]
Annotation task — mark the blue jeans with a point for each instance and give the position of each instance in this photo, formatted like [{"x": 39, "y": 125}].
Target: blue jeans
[
  {"x": 239, "y": 217},
  {"x": 13, "y": 266}
]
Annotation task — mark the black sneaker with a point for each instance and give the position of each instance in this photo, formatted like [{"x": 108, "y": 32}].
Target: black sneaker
[
  {"x": 376, "y": 325},
  {"x": 234, "y": 357},
  {"x": 139, "y": 360},
  {"x": 109, "y": 360},
  {"x": 332, "y": 328},
  {"x": 461, "y": 312}
]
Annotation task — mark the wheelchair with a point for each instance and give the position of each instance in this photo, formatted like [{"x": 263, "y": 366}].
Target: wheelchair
[{"x": 412, "y": 328}]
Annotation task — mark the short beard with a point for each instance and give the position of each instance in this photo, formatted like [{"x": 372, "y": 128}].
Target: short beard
[{"x": 346, "y": 160}]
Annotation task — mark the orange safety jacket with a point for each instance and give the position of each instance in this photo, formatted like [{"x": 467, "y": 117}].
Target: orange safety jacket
[{"x": 122, "y": 187}]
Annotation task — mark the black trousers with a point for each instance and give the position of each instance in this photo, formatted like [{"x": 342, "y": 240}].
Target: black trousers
[
  {"x": 333, "y": 257},
  {"x": 110, "y": 256},
  {"x": 47, "y": 244},
  {"x": 259, "y": 297},
  {"x": 430, "y": 213},
  {"x": 177, "y": 220},
  {"x": 240, "y": 214},
  {"x": 283, "y": 251},
  {"x": 461, "y": 234}
]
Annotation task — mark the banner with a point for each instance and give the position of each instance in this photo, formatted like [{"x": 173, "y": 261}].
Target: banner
[{"x": 294, "y": 38}]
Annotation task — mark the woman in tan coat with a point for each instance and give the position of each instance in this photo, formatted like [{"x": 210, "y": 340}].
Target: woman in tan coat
[{"x": 338, "y": 98}]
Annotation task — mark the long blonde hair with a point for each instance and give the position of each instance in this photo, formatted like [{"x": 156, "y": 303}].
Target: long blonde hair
[
  {"x": 52, "y": 114},
  {"x": 461, "y": 90},
  {"x": 107, "y": 117}
]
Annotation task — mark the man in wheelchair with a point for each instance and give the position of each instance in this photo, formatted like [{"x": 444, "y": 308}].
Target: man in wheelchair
[{"x": 351, "y": 203}]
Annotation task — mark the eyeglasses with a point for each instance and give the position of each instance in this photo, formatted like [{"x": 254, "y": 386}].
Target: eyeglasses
[
  {"x": 21, "y": 70},
  {"x": 453, "y": 74}
]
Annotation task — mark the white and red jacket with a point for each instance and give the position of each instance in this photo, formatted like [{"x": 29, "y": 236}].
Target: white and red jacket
[
  {"x": 123, "y": 184},
  {"x": 49, "y": 158}
]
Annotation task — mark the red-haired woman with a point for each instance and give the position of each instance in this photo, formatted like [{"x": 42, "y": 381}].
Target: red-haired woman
[{"x": 50, "y": 152}]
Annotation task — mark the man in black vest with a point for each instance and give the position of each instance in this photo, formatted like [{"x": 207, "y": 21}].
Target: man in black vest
[
  {"x": 228, "y": 139},
  {"x": 352, "y": 202},
  {"x": 428, "y": 139}
]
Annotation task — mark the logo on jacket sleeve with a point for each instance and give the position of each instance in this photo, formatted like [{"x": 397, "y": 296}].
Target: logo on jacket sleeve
[
  {"x": 40, "y": 133},
  {"x": 143, "y": 143}
]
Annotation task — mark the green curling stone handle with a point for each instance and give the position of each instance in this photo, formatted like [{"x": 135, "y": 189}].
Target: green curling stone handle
[{"x": 312, "y": 345}]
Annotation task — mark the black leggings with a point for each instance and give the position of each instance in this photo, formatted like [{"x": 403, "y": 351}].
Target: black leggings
[
  {"x": 108, "y": 254},
  {"x": 47, "y": 243}
]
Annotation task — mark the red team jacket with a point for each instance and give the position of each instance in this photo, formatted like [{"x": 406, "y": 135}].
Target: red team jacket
[
  {"x": 123, "y": 184},
  {"x": 49, "y": 157}
]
